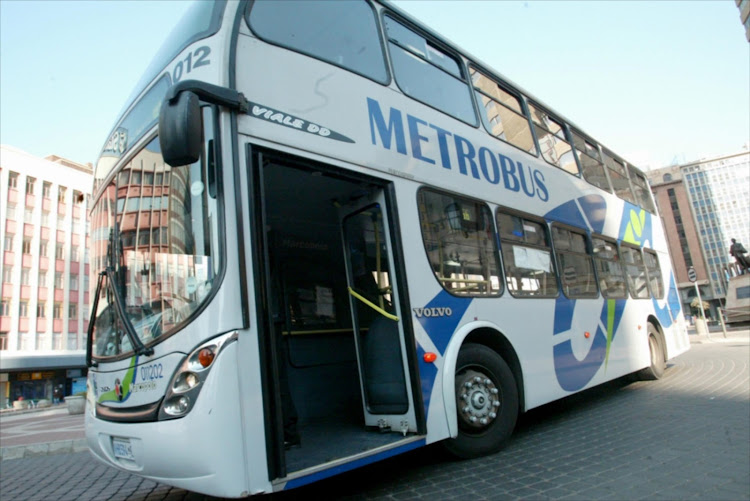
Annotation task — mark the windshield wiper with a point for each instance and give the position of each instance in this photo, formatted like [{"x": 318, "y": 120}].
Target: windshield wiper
[
  {"x": 135, "y": 341},
  {"x": 92, "y": 318}
]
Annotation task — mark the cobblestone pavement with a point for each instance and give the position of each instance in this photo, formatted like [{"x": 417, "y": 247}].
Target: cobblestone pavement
[{"x": 686, "y": 436}]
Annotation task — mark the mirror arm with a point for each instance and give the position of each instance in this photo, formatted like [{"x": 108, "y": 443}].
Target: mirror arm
[{"x": 211, "y": 94}]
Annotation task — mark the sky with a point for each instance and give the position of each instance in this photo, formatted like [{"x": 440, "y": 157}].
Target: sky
[{"x": 658, "y": 82}]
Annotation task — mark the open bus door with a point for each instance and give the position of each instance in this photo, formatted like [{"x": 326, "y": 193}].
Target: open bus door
[
  {"x": 387, "y": 400},
  {"x": 330, "y": 323}
]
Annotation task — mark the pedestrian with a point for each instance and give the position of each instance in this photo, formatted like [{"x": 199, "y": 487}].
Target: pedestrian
[
  {"x": 56, "y": 395},
  {"x": 738, "y": 251}
]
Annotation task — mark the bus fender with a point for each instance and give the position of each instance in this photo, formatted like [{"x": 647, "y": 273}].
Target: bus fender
[{"x": 450, "y": 358}]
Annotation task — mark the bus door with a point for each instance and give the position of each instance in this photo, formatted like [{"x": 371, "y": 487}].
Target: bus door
[{"x": 376, "y": 316}]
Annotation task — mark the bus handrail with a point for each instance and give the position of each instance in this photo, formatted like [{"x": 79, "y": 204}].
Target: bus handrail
[{"x": 373, "y": 305}]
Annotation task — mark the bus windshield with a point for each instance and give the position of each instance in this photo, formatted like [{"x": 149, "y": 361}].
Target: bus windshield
[{"x": 155, "y": 228}]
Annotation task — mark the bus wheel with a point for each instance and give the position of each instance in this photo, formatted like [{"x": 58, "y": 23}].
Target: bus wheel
[
  {"x": 486, "y": 402},
  {"x": 656, "y": 350}
]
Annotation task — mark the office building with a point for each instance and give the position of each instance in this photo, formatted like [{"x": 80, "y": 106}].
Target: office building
[{"x": 45, "y": 300}]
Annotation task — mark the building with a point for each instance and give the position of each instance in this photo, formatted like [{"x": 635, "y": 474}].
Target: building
[
  {"x": 703, "y": 205},
  {"x": 44, "y": 306}
]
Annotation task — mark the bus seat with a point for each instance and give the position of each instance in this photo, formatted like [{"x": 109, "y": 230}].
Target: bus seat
[{"x": 383, "y": 368}]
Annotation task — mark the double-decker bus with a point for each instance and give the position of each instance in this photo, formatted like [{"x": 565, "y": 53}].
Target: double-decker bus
[{"x": 323, "y": 235}]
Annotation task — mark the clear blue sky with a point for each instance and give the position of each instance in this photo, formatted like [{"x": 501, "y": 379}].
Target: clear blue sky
[{"x": 654, "y": 81}]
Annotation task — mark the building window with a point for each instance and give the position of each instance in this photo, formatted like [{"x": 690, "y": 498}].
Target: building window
[
  {"x": 26, "y": 245},
  {"x": 13, "y": 180},
  {"x": 57, "y": 341},
  {"x": 42, "y": 279},
  {"x": 73, "y": 311},
  {"x": 45, "y": 218},
  {"x": 72, "y": 341},
  {"x": 40, "y": 309},
  {"x": 47, "y": 190},
  {"x": 61, "y": 194},
  {"x": 3, "y": 341},
  {"x": 57, "y": 310},
  {"x": 11, "y": 208},
  {"x": 74, "y": 282},
  {"x": 59, "y": 280},
  {"x": 43, "y": 247},
  {"x": 30, "y": 185},
  {"x": 77, "y": 198},
  {"x": 8, "y": 246},
  {"x": 8, "y": 274},
  {"x": 5, "y": 308},
  {"x": 74, "y": 253},
  {"x": 28, "y": 214},
  {"x": 25, "y": 276},
  {"x": 23, "y": 309},
  {"x": 59, "y": 251}
]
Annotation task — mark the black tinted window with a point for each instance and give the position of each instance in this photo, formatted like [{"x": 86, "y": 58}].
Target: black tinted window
[{"x": 342, "y": 33}]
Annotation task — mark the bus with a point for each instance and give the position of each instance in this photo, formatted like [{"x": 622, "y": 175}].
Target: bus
[{"x": 323, "y": 235}]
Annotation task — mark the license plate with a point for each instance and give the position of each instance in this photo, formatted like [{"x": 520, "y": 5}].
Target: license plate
[{"x": 122, "y": 448}]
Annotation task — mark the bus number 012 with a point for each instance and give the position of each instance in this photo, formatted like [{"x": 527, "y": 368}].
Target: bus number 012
[{"x": 201, "y": 59}]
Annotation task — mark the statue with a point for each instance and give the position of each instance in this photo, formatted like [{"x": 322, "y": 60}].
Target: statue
[{"x": 738, "y": 252}]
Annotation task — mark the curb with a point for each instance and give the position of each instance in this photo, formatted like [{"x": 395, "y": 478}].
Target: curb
[{"x": 43, "y": 449}]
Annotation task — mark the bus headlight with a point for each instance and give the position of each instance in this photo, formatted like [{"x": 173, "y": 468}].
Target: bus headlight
[
  {"x": 187, "y": 380},
  {"x": 177, "y": 406}
]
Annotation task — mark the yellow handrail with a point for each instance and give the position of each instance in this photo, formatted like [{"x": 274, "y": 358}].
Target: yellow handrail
[{"x": 373, "y": 305}]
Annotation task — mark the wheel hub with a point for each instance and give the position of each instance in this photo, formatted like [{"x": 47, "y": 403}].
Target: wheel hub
[{"x": 478, "y": 402}]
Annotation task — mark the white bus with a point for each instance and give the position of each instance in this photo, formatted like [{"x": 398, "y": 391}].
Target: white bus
[{"x": 325, "y": 236}]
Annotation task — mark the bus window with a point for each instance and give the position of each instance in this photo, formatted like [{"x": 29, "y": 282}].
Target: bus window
[
  {"x": 619, "y": 178},
  {"x": 591, "y": 162},
  {"x": 636, "y": 272},
  {"x": 460, "y": 241},
  {"x": 575, "y": 263},
  {"x": 654, "y": 274},
  {"x": 341, "y": 33},
  {"x": 503, "y": 116},
  {"x": 426, "y": 73},
  {"x": 642, "y": 191},
  {"x": 553, "y": 144},
  {"x": 609, "y": 269},
  {"x": 527, "y": 256}
]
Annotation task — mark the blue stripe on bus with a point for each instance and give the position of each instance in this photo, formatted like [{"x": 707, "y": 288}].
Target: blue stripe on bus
[
  {"x": 320, "y": 475},
  {"x": 593, "y": 216},
  {"x": 427, "y": 374},
  {"x": 441, "y": 328}
]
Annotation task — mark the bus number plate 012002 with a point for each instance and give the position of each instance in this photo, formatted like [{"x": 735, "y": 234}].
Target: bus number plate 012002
[{"x": 122, "y": 448}]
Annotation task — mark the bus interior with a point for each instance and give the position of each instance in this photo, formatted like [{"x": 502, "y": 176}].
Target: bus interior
[{"x": 307, "y": 262}]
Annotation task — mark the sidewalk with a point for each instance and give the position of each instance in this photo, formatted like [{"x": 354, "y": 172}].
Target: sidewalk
[
  {"x": 716, "y": 335},
  {"x": 39, "y": 432}
]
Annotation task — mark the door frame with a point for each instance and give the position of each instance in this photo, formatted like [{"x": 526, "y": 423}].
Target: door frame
[{"x": 269, "y": 370}]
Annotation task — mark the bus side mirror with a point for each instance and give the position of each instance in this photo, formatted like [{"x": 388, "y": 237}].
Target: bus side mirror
[{"x": 180, "y": 129}]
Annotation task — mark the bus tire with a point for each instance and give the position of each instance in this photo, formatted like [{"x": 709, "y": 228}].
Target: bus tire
[
  {"x": 486, "y": 402},
  {"x": 656, "y": 352}
]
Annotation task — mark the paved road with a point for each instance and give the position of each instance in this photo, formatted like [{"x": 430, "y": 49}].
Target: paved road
[{"x": 684, "y": 437}]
